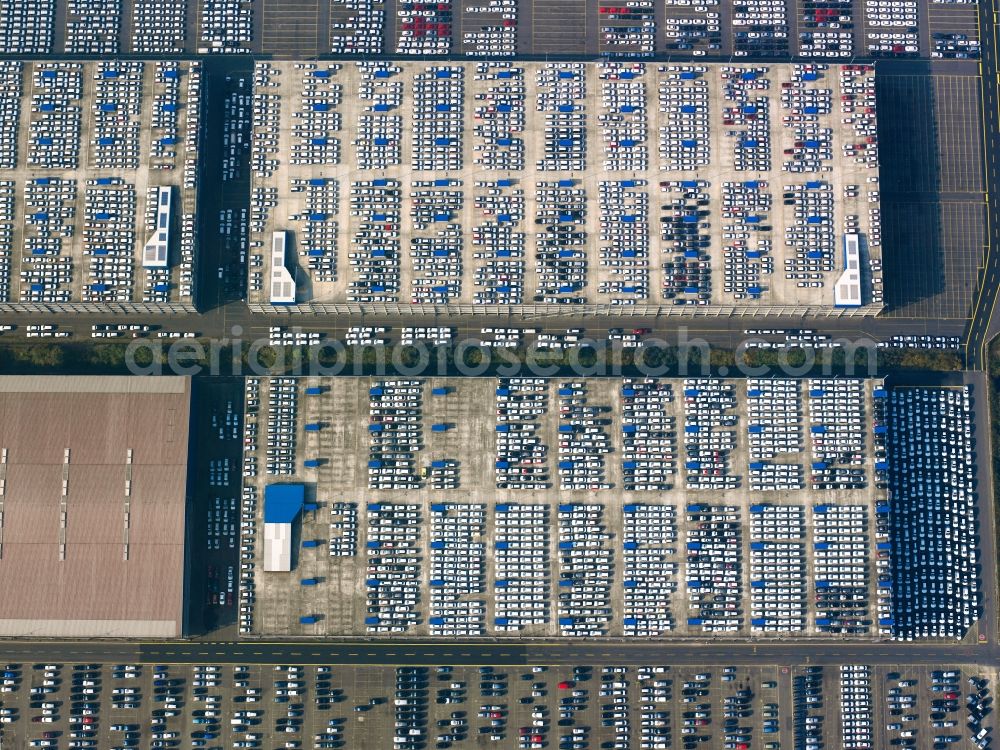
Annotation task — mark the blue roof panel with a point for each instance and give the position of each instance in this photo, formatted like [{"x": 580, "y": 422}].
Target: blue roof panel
[{"x": 282, "y": 502}]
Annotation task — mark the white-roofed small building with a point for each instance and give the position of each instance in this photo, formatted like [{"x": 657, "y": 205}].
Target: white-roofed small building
[
  {"x": 282, "y": 283},
  {"x": 847, "y": 290}
]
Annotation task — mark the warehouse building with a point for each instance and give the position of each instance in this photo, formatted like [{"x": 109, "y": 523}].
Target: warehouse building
[
  {"x": 282, "y": 505},
  {"x": 93, "y": 474}
]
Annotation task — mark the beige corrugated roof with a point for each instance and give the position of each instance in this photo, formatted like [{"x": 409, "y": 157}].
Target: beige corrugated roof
[{"x": 93, "y": 591}]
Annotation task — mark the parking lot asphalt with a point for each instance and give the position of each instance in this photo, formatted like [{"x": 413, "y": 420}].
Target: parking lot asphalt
[
  {"x": 593, "y": 28},
  {"x": 304, "y": 423},
  {"x": 214, "y": 494},
  {"x": 583, "y": 704},
  {"x": 984, "y": 324}
]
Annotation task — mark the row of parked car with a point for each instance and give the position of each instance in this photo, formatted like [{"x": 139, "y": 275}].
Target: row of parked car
[
  {"x": 393, "y": 583},
  {"x": 490, "y": 29},
  {"x": 366, "y": 336},
  {"x": 46, "y": 273},
  {"x": 586, "y": 570},
  {"x": 343, "y": 529},
  {"x": 842, "y": 551},
  {"x": 650, "y": 568},
  {"x": 424, "y": 28},
  {"x": 746, "y": 110},
  {"x": 921, "y": 341},
  {"x": 12, "y": 81},
  {"x": 380, "y": 124},
  {"x": 778, "y": 587},
  {"x": 320, "y": 228},
  {"x": 317, "y": 120},
  {"x": 436, "y": 241},
  {"x": 499, "y": 115},
  {"x": 760, "y": 27},
  {"x": 7, "y": 200},
  {"x": 561, "y": 258},
  {"x": 624, "y": 241},
  {"x": 375, "y": 256},
  {"x": 837, "y": 431},
  {"x": 856, "y": 707},
  {"x": 521, "y": 555},
  {"x": 649, "y": 435},
  {"x": 521, "y": 453},
  {"x": 627, "y": 30},
  {"x": 622, "y": 117},
  {"x": 95, "y": 28},
  {"x": 710, "y": 421},
  {"x": 747, "y": 251},
  {"x": 92, "y": 27},
  {"x": 775, "y": 428},
  {"x": 583, "y": 439},
  {"x": 225, "y": 26},
  {"x": 713, "y": 570},
  {"x": 395, "y": 434},
  {"x": 30, "y": 29},
  {"x": 281, "y": 416},
  {"x": 685, "y": 230},
  {"x": 561, "y": 96},
  {"x": 933, "y": 521},
  {"x": 55, "y": 133},
  {"x": 828, "y": 29},
  {"x": 458, "y": 569},
  {"x": 159, "y": 27},
  {"x": 695, "y": 29},
  {"x": 356, "y": 27},
  {"x": 431, "y": 335},
  {"x": 282, "y": 424},
  {"x": 808, "y": 712}
]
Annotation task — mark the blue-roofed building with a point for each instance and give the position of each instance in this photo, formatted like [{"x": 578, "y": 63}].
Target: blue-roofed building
[{"x": 282, "y": 506}]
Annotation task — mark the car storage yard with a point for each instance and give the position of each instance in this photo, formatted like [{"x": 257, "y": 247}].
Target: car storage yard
[
  {"x": 90, "y": 153},
  {"x": 677, "y": 508},
  {"x": 502, "y": 27},
  {"x": 637, "y": 706},
  {"x": 725, "y": 185}
]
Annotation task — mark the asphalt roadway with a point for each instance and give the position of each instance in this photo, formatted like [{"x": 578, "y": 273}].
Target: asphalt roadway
[
  {"x": 233, "y": 320},
  {"x": 516, "y": 653},
  {"x": 983, "y": 327}
]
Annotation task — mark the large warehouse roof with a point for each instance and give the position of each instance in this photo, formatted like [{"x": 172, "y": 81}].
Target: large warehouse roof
[{"x": 92, "y": 495}]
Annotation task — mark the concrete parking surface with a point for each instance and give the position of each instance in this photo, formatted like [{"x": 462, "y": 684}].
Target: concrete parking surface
[{"x": 602, "y": 507}]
